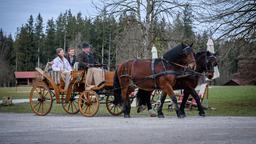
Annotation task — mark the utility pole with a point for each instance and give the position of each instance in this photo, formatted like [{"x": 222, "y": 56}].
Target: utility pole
[
  {"x": 64, "y": 45},
  {"x": 103, "y": 36},
  {"x": 109, "y": 47},
  {"x": 38, "y": 57}
]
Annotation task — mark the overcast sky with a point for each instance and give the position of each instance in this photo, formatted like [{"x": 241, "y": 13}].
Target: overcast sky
[{"x": 14, "y": 13}]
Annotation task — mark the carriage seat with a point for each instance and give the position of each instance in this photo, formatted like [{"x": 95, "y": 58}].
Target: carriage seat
[{"x": 55, "y": 75}]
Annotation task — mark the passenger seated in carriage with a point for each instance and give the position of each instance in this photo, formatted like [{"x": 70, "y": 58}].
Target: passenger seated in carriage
[
  {"x": 86, "y": 60},
  {"x": 60, "y": 63},
  {"x": 71, "y": 56}
]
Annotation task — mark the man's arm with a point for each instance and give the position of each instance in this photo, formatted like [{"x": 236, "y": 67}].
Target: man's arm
[
  {"x": 80, "y": 60},
  {"x": 55, "y": 65}
]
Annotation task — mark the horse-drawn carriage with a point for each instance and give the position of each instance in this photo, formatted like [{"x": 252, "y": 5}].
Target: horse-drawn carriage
[
  {"x": 148, "y": 75},
  {"x": 49, "y": 87}
]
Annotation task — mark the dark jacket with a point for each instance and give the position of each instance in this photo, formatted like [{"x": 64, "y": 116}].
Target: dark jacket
[
  {"x": 73, "y": 60},
  {"x": 85, "y": 60}
]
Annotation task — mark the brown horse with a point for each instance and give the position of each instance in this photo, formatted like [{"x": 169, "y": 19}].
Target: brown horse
[
  {"x": 205, "y": 64},
  {"x": 151, "y": 74}
]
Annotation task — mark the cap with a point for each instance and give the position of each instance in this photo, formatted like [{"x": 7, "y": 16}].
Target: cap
[{"x": 86, "y": 45}]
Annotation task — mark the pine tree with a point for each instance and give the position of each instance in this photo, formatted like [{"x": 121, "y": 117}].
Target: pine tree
[
  {"x": 31, "y": 50},
  {"x": 188, "y": 34},
  {"x": 7, "y": 59},
  {"x": 50, "y": 42},
  {"x": 21, "y": 46},
  {"x": 39, "y": 37},
  {"x": 61, "y": 29}
]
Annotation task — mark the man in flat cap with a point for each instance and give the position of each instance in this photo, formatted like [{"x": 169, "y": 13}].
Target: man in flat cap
[
  {"x": 86, "y": 58},
  {"x": 94, "y": 76}
]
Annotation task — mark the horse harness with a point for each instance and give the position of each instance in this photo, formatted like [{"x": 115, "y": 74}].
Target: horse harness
[{"x": 179, "y": 74}]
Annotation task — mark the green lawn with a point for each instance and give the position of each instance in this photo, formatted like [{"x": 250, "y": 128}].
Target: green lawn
[
  {"x": 228, "y": 101},
  {"x": 233, "y": 100},
  {"x": 15, "y": 92}
]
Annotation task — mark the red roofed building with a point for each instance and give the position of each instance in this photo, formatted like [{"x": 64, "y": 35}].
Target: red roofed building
[{"x": 25, "y": 77}]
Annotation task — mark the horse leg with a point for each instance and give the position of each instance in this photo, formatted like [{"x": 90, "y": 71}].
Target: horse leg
[
  {"x": 160, "y": 113},
  {"x": 151, "y": 112},
  {"x": 126, "y": 104},
  {"x": 127, "y": 109},
  {"x": 177, "y": 109},
  {"x": 199, "y": 105},
  {"x": 141, "y": 100},
  {"x": 184, "y": 101},
  {"x": 170, "y": 92},
  {"x": 147, "y": 99}
]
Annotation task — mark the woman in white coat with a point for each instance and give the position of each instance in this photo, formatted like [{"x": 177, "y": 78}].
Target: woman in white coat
[{"x": 60, "y": 63}]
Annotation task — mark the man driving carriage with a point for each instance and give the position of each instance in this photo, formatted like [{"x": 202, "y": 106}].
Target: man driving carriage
[
  {"x": 86, "y": 58},
  {"x": 94, "y": 76}
]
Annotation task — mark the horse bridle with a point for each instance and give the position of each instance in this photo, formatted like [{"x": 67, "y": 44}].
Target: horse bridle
[{"x": 207, "y": 61}]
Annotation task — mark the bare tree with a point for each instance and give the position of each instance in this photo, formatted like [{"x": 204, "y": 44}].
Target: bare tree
[
  {"x": 146, "y": 12},
  {"x": 229, "y": 18},
  {"x": 129, "y": 42}
]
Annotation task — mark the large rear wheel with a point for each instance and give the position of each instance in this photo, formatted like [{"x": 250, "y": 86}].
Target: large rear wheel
[
  {"x": 113, "y": 109},
  {"x": 88, "y": 103},
  {"x": 40, "y": 100}
]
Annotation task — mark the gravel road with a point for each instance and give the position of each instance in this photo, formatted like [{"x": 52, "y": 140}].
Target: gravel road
[{"x": 76, "y": 129}]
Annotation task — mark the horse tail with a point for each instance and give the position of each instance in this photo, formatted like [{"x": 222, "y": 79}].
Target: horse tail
[
  {"x": 143, "y": 97},
  {"x": 117, "y": 90}
]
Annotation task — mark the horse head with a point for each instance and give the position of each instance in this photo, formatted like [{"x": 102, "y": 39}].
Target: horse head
[
  {"x": 206, "y": 61},
  {"x": 181, "y": 54}
]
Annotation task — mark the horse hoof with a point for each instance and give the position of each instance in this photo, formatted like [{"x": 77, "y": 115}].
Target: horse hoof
[
  {"x": 127, "y": 116},
  {"x": 152, "y": 113},
  {"x": 202, "y": 114},
  {"x": 182, "y": 116},
  {"x": 160, "y": 116},
  {"x": 141, "y": 109},
  {"x": 178, "y": 113}
]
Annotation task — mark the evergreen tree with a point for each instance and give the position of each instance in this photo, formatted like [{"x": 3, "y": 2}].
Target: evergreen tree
[
  {"x": 30, "y": 50},
  {"x": 50, "y": 42},
  {"x": 21, "y": 46},
  {"x": 39, "y": 37},
  {"x": 61, "y": 23},
  {"x": 7, "y": 59},
  {"x": 188, "y": 34}
]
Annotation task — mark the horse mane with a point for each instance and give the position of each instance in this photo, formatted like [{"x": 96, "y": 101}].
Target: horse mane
[
  {"x": 174, "y": 54},
  {"x": 202, "y": 52}
]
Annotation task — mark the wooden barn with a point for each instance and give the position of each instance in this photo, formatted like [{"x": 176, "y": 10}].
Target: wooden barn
[{"x": 25, "y": 77}]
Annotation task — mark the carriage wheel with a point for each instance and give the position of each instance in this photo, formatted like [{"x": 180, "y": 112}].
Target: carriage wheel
[
  {"x": 111, "y": 107},
  {"x": 40, "y": 100},
  {"x": 71, "y": 106},
  {"x": 88, "y": 103}
]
